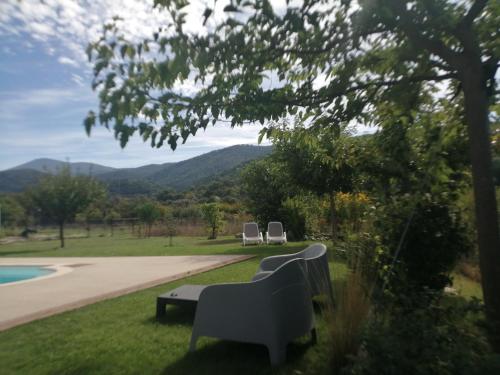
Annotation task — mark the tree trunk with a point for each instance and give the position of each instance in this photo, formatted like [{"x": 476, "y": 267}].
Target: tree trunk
[
  {"x": 333, "y": 216},
  {"x": 476, "y": 114},
  {"x": 61, "y": 233}
]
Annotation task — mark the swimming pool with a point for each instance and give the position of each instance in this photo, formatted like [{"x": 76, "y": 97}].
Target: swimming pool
[{"x": 10, "y": 274}]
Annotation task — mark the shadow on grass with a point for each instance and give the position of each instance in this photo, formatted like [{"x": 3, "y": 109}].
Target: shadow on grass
[
  {"x": 220, "y": 242},
  {"x": 227, "y": 357},
  {"x": 262, "y": 250},
  {"x": 175, "y": 315},
  {"x": 25, "y": 252}
]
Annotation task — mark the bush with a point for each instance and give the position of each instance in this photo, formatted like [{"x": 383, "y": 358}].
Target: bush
[
  {"x": 427, "y": 237},
  {"x": 434, "y": 340}
]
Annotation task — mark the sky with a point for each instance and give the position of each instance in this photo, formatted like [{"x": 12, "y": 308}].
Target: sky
[{"x": 45, "y": 81}]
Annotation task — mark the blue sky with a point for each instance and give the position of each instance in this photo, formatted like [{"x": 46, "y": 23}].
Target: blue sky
[
  {"x": 45, "y": 86},
  {"x": 45, "y": 82}
]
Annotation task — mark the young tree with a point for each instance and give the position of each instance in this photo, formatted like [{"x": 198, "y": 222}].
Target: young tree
[
  {"x": 169, "y": 221},
  {"x": 88, "y": 215},
  {"x": 332, "y": 62},
  {"x": 61, "y": 196},
  {"x": 214, "y": 218},
  {"x": 148, "y": 213},
  {"x": 110, "y": 219}
]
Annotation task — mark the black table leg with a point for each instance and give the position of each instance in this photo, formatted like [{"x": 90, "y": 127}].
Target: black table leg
[{"x": 160, "y": 308}]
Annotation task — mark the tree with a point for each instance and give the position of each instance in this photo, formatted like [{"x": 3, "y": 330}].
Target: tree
[
  {"x": 331, "y": 62},
  {"x": 88, "y": 215},
  {"x": 110, "y": 219},
  {"x": 61, "y": 196},
  {"x": 148, "y": 213},
  {"x": 171, "y": 230},
  {"x": 266, "y": 185},
  {"x": 318, "y": 160},
  {"x": 12, "y": 212},
  {"x": 214, "y": 218}
]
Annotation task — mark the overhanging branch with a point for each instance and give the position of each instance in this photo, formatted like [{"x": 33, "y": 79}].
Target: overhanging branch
[{"x": 474, "y": 11}]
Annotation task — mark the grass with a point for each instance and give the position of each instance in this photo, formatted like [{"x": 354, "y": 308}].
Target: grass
[
  {"x": 121, "y": 335},
  {"x": 467, "y": 287}
]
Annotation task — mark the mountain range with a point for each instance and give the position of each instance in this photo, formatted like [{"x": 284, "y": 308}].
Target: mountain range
[{"x": 141, "y": 180}]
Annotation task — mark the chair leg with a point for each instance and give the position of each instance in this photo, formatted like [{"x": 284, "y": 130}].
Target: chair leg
[
  {"x": 192, "y": 344},
  {"x": 314, "y": 336},
  {"x": 277, "y": 355}
]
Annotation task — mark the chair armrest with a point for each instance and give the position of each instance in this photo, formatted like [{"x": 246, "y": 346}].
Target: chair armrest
[
  {"x": 225, "y": 310},
  {"x": 261, "y": 275},
  {"x": 273, "y": 262}
]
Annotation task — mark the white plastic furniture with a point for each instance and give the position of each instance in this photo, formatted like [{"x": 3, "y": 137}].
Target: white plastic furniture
[
  {"x": 271, "y": 311},
  {"x": 251, "y": 234},
  {"x": 275, "y": 233}
]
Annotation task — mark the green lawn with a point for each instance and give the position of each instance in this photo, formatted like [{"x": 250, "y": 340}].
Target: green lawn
[{"x": 121, "y": 335}]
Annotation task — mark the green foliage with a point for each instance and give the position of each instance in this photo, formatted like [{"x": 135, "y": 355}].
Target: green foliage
[
  {"x": 320, "y": 160},
  {"x": 89, "y": 215},
  {"x": 438, "y": 339},
  {"x": 169, "y": 222},
  {"x": 62, "y": 196},
  {"x": 12, "y": 211},
  {"x": 266, "y": 186},
  {"x": 426, "y": 237},
  {"x": 332, "y": 62},
  {"x": 148, "y": 213},
  {"x": 214, "y": 217}
]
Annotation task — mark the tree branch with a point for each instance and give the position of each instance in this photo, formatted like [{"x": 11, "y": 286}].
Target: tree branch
[
  {"x": 474, "y": 11},
  {"x": 412, "y": 31}
]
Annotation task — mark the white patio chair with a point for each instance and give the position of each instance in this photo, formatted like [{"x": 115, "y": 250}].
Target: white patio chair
[
  {"x": 251, "y": 234},
  {"x": 275, "y": 233}
]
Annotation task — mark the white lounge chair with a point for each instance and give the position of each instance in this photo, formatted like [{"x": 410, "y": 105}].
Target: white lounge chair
[
  {"x": 251, "y": 234},
  {"x": 271, "y": 311},
  {"x": 275, "y": 233}
]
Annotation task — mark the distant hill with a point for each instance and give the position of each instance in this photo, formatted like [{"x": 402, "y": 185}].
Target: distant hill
[
  {"x": 15, "y": 181},
  {"x": 52, "y": 166},
  {"x": 134, "y": 173},
  {"x": 185, "y": 174},
  {"x": 145, "y": 180}
]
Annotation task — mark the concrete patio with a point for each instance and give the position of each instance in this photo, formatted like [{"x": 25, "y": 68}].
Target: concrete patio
[{"x": 81, "y": 281}]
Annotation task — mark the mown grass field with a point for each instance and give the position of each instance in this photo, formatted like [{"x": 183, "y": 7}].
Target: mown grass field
[{"x": 121, "y": 335}]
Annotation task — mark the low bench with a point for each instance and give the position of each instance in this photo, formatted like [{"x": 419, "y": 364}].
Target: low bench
[{"x": 186, "y": 295}]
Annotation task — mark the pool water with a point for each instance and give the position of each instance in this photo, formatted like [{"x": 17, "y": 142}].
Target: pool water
[{"x": 10, "y": 274}]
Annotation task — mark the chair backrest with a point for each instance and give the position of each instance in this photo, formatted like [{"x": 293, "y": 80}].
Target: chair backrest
[
  {"x": 275, "y": 229},
  {"x": 251, "y": 229},
  {"x": 316, "y": 258},
  {"x": 291, "y": 299},
  {"x": 313, "y": 251}
]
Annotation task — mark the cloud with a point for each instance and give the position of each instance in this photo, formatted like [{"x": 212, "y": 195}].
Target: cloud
[{"x": 67, "y": 61}]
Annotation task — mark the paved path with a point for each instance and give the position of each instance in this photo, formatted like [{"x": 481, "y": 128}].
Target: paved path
[{"x": 81, "y": 281}]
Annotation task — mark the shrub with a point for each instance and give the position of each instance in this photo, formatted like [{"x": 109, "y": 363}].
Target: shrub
[
  {"x": 431, "y": 340},
  {"x": 426, "y": 239}
]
